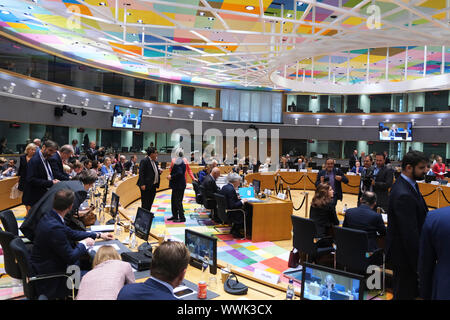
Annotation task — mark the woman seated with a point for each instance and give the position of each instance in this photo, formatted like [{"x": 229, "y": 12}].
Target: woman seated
[
  {"x": 108, "y": 275},
  {"x": 107, "y": 168},
  {"x": 439, "y": 169},
  {"x": 322, "y": 211}
]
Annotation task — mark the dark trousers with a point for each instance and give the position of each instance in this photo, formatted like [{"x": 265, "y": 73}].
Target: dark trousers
[
  {"x": 147, "y": 197},
  {"x": 405, "y": 283},
  {"x": 177, "y": 203}
]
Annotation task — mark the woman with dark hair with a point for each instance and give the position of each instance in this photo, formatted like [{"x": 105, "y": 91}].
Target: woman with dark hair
[{"x": 322, "y": 210}]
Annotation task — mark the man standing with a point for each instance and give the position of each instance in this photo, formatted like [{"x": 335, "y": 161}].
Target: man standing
[
  {"x": 59, "y": 159},
  {"x": 177, "y": 182},
  {"x": 434, "y": 256},
  {"x": 334, "y": 177},
  {"x": 149, "y": 178},
  {"x": 92, "y": 153},
  {"x": 52, "y": 247},
  {"x": 406, "y": 214},
  {"x": 353, "y": 159},
  {"x": 37, "y": 142},
  {"x": 362, "y": 157},
  {"x": 384, "y": 178},
  {"x": 39, "y": 174}
]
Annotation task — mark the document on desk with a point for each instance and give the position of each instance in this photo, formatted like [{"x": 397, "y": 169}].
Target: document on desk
[
  {"x": 385, "y": 217},
  {"x": 102, "y": 228},
  {"x": 115, "y": 246}
]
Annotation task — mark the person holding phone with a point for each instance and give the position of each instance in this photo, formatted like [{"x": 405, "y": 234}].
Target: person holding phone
[{"x": 334, "y": 177}]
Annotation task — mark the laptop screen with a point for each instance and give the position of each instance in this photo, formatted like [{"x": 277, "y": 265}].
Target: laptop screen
[
  {"x": 247, "y": 192},
  {"x": 322, "y": 283}
]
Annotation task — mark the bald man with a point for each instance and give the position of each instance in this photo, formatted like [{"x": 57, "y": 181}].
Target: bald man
[{"x": 209, "y": 183}]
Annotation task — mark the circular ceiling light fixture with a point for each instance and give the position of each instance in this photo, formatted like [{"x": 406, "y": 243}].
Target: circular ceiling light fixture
[{"x": 249, "y": 8}]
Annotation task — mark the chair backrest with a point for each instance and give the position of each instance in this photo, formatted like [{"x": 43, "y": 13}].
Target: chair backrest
[
  {"x": 9, "y": 222},
  {"x": 11, "y": 266},
  {"x": 221, "y": 207},
  {"x": 198, "y": 196},
  {"x": 351, "y": 248},
  {"x": 304, "y": 232},
  {"x": 22, "y": 256}
]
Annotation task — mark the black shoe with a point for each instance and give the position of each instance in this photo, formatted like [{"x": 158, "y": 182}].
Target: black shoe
[
  {"x": 180, "y": 220},
  {"x": 172, "y": 218}
]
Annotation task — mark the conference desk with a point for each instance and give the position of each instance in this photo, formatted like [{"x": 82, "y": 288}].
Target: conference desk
[{"x": 6, "y": 185}]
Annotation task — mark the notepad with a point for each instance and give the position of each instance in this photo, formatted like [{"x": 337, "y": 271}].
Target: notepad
[
  {"x": 385, "y": 217},
  {"x": 102, "y": 228}
]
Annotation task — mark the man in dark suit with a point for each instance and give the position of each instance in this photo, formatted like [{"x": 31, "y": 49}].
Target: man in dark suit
[
  {"x": 366, "y": 219},
  {"x": 177, "y": 182},
  {"x": 334, "y": 177},
  {"x": 91, "y": 152},
  {"x": 406, "y": 214},
  {"x": 169, "y": 264},
  {"x": 384, "y": 177},
  {"x": 353, "y": 159},
  {"x": 120, "y": 165},
  {"x": 149, "y": 178},
  {"x": 39, "y": 174},
  {"x": 210, "y": 187},
  {"x": 52, "y": 248},
  {"x": 234, "y": 202},
  {"x": 434, "y": 256},
  {"x": 76, "y": 150},
  {"x": 300, "y": 164},
  {"x": 45, "y": 204},
  {"x": 57, "y": 162},
  {"x": 131, "y": 163}
]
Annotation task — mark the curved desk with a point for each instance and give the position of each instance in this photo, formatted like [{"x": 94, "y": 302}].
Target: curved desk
[{"x": 5, "y": 191}]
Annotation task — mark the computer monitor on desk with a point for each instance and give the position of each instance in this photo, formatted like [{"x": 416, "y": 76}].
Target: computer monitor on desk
[
  {"x": 114, "y": 209},
  {"x": 323, "y": 283},
  {"x": 256, "y": 186},
  {"x": 142, "y": 225},
  {"x": 199, "y": 246}
]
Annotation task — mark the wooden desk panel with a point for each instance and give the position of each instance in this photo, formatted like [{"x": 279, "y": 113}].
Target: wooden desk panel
[
  {"x": 435, "y": 199},
  {"x": 5, "y": 191},
  {"x": 271, "y": 220}
]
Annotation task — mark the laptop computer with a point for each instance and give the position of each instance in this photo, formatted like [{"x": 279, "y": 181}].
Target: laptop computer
[{"x": 249, "y": 194}]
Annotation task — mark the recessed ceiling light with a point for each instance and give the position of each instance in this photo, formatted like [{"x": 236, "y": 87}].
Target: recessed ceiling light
[
  {"x": 202, "y": 13},
  {"x": 139, "y": 21},
  {"x": 210, "y": 18},
  {"x": 333, "y": 16},
  {"x": 102, "y": 4},
  {"x": 289, "y": 15},
  {"x": 128, "y": 13},
  {"x": 249, "y": 8},
  {"x": 299, "y": 3}
]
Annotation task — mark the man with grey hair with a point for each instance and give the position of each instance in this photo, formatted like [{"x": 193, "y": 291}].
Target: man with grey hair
[
  {"x": 229, "y": 191},
  {"x": 120, "y": 165},
  {"x": 60, "y": 158},
  {"x": 37, "y": 142}
]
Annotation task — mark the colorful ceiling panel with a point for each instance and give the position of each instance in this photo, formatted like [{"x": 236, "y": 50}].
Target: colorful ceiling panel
[{"x": 235, "y": 43}]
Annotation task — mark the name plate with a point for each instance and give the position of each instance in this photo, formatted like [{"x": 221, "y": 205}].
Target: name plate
[
  {"x": 281, "y": 196},
  {"x": 266, "y": 276},
  {"x": 315, "y": 171},
  {"x": 293, "y": 170},
  {"x": 303, "y": 170},
  {"x": 283, "y": 170},
  {"x": 436, "y": 183}
]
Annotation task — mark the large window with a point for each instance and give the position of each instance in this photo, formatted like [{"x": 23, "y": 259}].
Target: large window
[{"x": 250, "y": 106}]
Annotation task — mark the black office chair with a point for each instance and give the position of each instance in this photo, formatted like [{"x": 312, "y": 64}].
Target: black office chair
[
  {"x": 9, "y": 222},
  {"x": 11, "y": 267},
  {"x": 306, "y": 242},
  {"x": 209, "y": 203},
  {"x": 352, "y": 252},
  {"x": 224, "y": 213},
  {"x": 28, "y": 276}
]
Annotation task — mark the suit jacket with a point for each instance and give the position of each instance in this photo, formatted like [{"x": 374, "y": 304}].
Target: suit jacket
[
  {"x": 119, "y": 167},
  {"x": 210, "y": 186},
  {"x": 178, "y": 176},
  {"x": 406, "y": 214},
  {"x": 301, "y": 166},
  {"x": 57, "y": 167},
  {"x": 383, "y": 181},
  {"x": 53, "y": 253},
  {"x": 337, "y": 184},
  {"x": 92, "y": 154},
  {"x": 147, "y": 173},
  {"x": 352, "y": 161},
  {"x": 37, "y": 182},
  {"x": 434, "y": 256},
  {"x": 45, "y": 204},
  {"x": 323, "y": 218},
  {"x": 22, "y": 173},
  {"x": 148, "y": 290},
  {"x": 128, "y": 165},
  {"x": 231, "y": 197},
  {"x": 365, "y": 219}
]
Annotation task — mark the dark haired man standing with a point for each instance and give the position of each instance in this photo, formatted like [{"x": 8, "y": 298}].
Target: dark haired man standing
[
  {"x": 149, "y": 178},
  {"x": 406, "y": 215},
  {"x": 384, "y": 177}
]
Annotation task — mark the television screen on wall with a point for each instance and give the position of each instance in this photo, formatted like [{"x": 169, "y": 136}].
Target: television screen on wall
[
  {"x": 395, "y": 131},
  {"x": 127, "y": 118}
]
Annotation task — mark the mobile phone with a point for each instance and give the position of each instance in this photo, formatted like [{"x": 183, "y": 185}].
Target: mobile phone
[{"x": 182, "y": 291}]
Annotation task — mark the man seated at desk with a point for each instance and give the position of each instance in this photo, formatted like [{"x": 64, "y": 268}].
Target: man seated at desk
[
  {"x": 168, "y": 268},
  {"x": 52, "y": 247},
  {"x": 328, "y": 287},
  {"x": 230, "y": 191},
  {"x": 366, "y": 219}
]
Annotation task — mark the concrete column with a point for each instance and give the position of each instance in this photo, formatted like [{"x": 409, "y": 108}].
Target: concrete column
[
  {"x": 126, "y": 138},
  {"x": 362, "y": 146},
  {"x": 314, "y": 104},
  {"x": 364, "y": 103}
]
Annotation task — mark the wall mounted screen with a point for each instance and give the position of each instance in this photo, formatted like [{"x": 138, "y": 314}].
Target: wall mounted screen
[
  {"x": 127, "y": 118},
  {"x": 395, "y": 131}
]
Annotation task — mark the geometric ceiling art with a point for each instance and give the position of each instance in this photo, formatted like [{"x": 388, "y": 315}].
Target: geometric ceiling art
[{"x": 323, "y": 46}]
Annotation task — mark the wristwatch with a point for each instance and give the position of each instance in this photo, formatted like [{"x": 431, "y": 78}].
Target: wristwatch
[{"x": 99, "y": 235}]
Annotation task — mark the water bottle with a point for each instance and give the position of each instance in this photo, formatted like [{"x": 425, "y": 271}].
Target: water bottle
[
  {"x": 344, "y": 210},
  {"x": 290, "y": 290},
  {"x": 132, "y": 238}
]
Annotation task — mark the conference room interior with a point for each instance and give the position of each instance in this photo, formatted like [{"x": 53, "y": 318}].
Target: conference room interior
[{"x": 246, "y": 128}]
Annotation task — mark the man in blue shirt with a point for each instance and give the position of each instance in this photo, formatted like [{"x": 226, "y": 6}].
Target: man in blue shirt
[{"x": 169, "y": 265}]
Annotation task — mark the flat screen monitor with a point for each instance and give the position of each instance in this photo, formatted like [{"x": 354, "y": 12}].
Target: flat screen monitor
[
  {"x": 204, "y": 104},
  {"x": 127, "y": 118},
  {"x": 114, "y": 209},
  {"x": 257, "y": 186},
  {"x": 199, "y": 246},
  {"x": 113, "y": 179},
  {"x": 395, "y": 131},
  {"x": 105, "y": 193},
  {"x": 246, "y": 193},
  {"x": 323, "y": 283},
  {"x": 143, "y": 223}
]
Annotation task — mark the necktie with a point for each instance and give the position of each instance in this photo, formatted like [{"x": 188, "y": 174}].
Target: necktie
[{"x": 155, "y": 170}]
